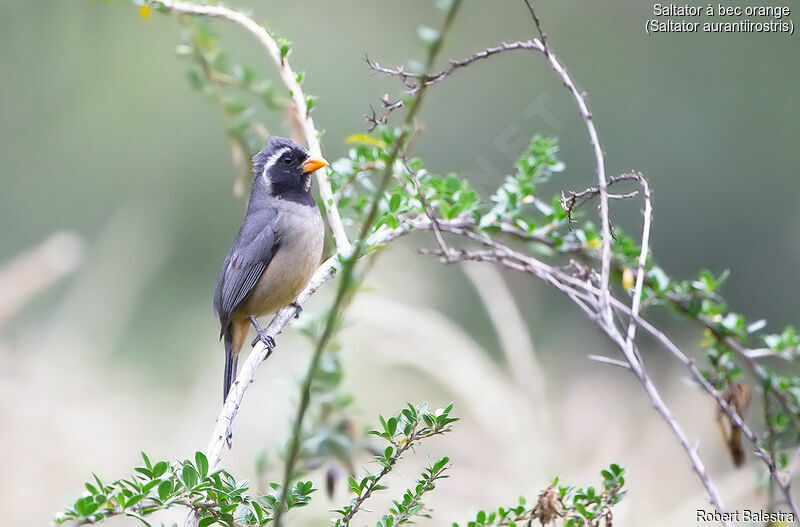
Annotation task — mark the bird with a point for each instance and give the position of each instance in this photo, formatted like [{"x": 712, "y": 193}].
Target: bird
[{"x": 276, "y": 251}]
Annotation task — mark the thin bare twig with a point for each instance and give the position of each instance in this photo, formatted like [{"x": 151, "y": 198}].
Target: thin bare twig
[
  {"x": 428, "y": 212},
  {"x": 642, "y": 262},
  {"x": 388, "y": 106},
  {"x": 538, "y": 24},
  {"x": 413, "y": 81},
  {"x": 575, "y": 199},
  {"x": 608, "y": 360},
  {"x": 407, "y": 78}
]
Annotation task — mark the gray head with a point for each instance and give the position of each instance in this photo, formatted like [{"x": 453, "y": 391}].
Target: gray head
[{"x": 283, "y": 170}]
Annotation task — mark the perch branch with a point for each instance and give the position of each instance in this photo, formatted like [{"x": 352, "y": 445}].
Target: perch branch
[{"x": 260, "y": 352}]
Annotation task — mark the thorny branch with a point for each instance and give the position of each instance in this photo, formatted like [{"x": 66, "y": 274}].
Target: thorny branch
[
  {"x": 414, "y": 81},
  {"x": 388, "y": 106},
  {"x": 574, "y": 200}
]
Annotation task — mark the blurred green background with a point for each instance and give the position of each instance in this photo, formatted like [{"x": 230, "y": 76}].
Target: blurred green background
[{"x": 101, "y": 135}]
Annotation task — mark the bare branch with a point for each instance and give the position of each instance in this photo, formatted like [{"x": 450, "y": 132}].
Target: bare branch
[
  {"x": 608, "y": 360},
  {"x": 406, "y": 77},
  {"x": 413, "y": 81},
  {"x": 575, "y": 200},
  {"x": 428, "y": 212},
  {"x": 538, "y": 24},
  {"x": 642, "y": 262},
  {"x": 372, "y": 118}
]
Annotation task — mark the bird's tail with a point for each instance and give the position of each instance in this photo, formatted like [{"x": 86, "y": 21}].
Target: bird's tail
[{"x": 231, "y": 363}]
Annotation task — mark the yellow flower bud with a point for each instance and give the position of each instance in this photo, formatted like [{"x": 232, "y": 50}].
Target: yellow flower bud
[
  {"x": 627, "y": 278},
  {"x": 144, "y": 11}
]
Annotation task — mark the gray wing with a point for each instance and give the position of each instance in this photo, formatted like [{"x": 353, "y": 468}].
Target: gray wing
[{"x": 251, "y": 253}]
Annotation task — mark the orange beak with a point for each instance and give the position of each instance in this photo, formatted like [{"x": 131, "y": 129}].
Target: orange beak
[{"x": 312, "y": 164}]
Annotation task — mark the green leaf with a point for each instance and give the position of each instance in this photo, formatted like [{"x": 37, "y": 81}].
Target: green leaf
[
  {"x": 391, "y": 425},
  {"x": 189, "y": 476},
  {"x": 134, "y": 500},
  {"x": 394, "y": 202},
  {"x": 311, "y": 101},
  {"x": 354, "y": 486},
  {"x": 164, "y": 489},
  {"x": 160, "y": 468},
  {"x": 285, "y": 47},
  {"x": 201, "y": 461}
]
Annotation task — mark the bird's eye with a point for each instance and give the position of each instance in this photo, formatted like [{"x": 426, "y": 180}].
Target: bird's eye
[{"x": 287, "y": 159}]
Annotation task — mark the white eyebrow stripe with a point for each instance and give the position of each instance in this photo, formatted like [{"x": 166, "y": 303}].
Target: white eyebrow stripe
[{"x": 272, "y": 160}]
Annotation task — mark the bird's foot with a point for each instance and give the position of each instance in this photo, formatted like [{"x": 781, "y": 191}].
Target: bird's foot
[
  {"x": 262, "y": 335},
  {"x": 298, "y": 309}
]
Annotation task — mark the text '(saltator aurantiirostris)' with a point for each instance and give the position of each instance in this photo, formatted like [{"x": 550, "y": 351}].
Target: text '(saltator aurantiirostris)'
[{"x": 277, "y": 249}]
